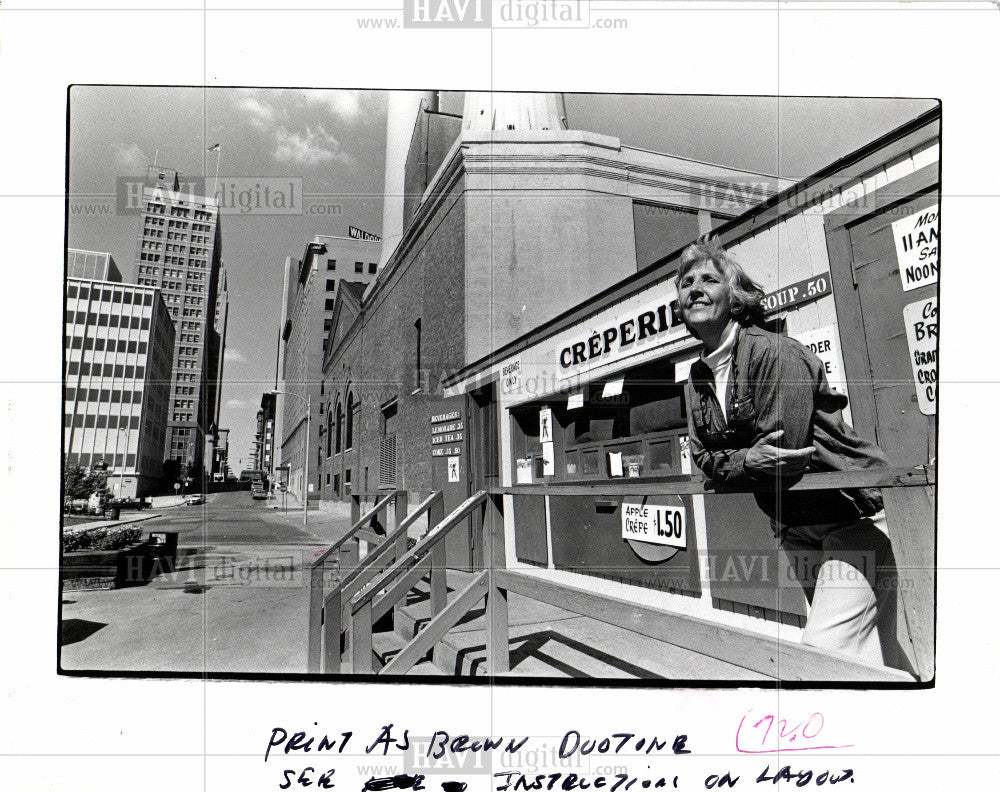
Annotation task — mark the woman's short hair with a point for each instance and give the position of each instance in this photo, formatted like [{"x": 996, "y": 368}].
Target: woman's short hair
[{"x": 746, "y": 298}]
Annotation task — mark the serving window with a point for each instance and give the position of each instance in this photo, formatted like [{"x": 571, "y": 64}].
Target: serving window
[{"x": 627, "y": 426}]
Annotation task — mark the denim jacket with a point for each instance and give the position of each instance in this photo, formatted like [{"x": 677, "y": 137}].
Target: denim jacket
[{"x": 776, "y": 383}]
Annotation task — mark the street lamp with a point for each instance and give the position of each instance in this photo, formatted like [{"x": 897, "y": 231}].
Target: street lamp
[
  {"x": 305, "y": 461},
  {"x": 124, "y": 456}
]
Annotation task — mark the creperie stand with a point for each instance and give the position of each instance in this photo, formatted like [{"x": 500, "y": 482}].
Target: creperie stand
[{"x": 608, "y": 500}]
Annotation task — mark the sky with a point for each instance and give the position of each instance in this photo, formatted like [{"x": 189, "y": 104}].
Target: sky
[{"x": 334, "y": 141}]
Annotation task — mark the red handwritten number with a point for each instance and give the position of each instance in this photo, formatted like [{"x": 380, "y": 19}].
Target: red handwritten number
[
  {"x": 807, "y": 730},
  {"x": 770, "y": 723},
  {"x": 818, "y": 728}
]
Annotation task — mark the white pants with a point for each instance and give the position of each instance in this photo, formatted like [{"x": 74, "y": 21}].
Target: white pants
[{"x": 842, "y": 570}]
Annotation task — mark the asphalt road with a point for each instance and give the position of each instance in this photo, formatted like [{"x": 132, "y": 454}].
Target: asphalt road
[{"x": 233, "y": 518}]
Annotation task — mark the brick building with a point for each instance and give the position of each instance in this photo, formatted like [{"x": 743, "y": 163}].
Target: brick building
[
  {"x": 308, "y": 303},
  {"x": 518, "y": 220}
]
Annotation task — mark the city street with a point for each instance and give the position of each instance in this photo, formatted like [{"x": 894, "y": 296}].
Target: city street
[
  {"x": 236, "y": 603},
  {"x": 235, "y": 518}
]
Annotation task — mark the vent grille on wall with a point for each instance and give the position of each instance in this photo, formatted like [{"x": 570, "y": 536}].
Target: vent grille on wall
[{"x": 387, "y": 461}]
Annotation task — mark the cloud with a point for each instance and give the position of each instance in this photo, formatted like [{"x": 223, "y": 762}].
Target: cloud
[
  {"x": 234, "y": 356},
  {"x": 234, "y": 404},
  {"x": 131, "y": 159},
  {"x": 308, "y": 148},
  {"x": 259, "y": 112},
  {"x": 279, "y": 115},
  {"x": 344, "y": 105}
]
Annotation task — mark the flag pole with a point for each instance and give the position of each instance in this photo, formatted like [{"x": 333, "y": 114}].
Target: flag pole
[
  {"x": 218, "y": 159},
  {"x": 217, "y": 148}
]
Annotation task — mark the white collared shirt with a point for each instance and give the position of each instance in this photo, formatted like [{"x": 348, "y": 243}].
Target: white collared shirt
[{"x": 721, "y": 363}]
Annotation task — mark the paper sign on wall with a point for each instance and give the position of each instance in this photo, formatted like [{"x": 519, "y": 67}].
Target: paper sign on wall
[
  {"x": 615, "y": 463},
  {"x": 920, "y": 319},
  {"x": 575, "y": 401},
  {"x": 548, "y": 460},
  {"x": 524, "y": 471},
  {"x": 917, "y": 240},
  {"x": 824, "y": 343},
  {"x": 613, "y": 388},
  {"x": 453, "y": 469},
  {"x": 510, "y": 376},
  {"x": 545, "y": 425},
  {"x": 682, "y": 368}
]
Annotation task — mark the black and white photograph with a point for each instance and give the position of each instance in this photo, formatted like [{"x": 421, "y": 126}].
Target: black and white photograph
[
  {"x": 477, "y": 386},
  {"x": 499, "y": 395}
]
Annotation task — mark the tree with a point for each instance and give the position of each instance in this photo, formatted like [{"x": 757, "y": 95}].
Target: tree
[
  {"x": 81, "y": 484},
  {"x": 75, "y": 482}
]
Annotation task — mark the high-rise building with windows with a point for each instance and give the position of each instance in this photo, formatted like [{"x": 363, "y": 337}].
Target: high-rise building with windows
[
  {"x": 218, "y": 349},
  {"x": 219, "y": 328},
  {"x": 179, "y": 253},
  {"x": 310, "y": 291},
  {"x": 119, "y": 347}
]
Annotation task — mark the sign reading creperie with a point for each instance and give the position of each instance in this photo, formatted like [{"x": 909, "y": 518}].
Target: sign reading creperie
[{"x": 658, "y": 323}]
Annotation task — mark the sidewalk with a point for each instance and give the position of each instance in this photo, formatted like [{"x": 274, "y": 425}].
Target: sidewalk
[
  {"x": 134, "y": 517},
  {"x": 235, "y": 610},
  {"x": 226, "y": 609},
  {"x": 327, "y": 523}
]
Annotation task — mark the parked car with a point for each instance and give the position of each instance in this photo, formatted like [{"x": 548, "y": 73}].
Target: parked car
[
  {"x": 194, "y": 500},
  {"x": 257, "y": 492},
  {"x": 130, "y": 503}
]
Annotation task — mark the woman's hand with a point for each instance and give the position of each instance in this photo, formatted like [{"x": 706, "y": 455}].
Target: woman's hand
[{"x": 767, "y": 458}]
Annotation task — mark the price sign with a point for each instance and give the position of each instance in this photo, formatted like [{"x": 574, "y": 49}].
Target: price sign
[{"x": 662, "y": 525}]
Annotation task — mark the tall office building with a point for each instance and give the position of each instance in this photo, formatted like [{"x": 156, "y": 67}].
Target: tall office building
[
  {"x": 218, "y": 350},
  {"x": 219, "y": 328},
  {"x": 310, "y": 287},
  {"x": 180, "y": 253},
  {"x": 119, "y": 346}
]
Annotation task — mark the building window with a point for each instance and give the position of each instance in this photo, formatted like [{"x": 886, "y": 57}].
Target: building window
[
  {"x": 328, "y": 305},
  {"x": 340, "y": 427},
  {"x": 416, "y": 354},
  {"x": 372, "y": 268},
  {"x": 331, "y": 265},
  {"x": 349, "y": 429},
  {"x": 331, "y": 284},
  {"x": 329, "y": 434},
  {"x": 359, "y": 266}
]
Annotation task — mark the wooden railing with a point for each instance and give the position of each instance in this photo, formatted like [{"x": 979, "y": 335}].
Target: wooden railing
[
  {"x": 909, "y": 505},
  {"x": 393, "y": 548},
  {"x": 909, "y": 512},
  {"x": 345, "y": 552},
  {"x": 387, "y": 590}
]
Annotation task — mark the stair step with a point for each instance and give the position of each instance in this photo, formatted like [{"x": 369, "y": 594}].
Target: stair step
[{"x": 386, "y": 645}]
